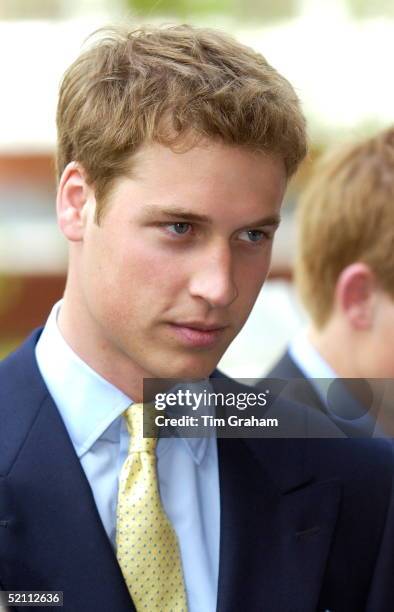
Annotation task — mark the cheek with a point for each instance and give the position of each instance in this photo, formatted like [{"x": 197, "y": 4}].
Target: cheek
[
  {"x": 252, "y": 274},
  {"x": 388, "y": 360},
  {"x": 143, "y": 279},
  {"x": 155, "y": 273},
  {"x": 249, "y": 284},
  {"x": 380, "y": 354}
]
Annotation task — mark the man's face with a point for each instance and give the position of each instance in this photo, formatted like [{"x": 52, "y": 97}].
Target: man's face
[{"x": 170, "y": 275}]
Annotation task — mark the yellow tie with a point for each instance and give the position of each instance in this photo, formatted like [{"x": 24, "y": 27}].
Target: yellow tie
[{"x": 147, "y": 546}]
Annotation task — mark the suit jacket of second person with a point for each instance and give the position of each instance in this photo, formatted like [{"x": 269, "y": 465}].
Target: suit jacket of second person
[
  {"x": 351, "y": 416},
  {"x": 306, "y": 524}
]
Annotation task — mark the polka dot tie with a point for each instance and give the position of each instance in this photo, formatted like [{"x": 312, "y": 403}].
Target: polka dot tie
[{"x": 147, "y": 546}]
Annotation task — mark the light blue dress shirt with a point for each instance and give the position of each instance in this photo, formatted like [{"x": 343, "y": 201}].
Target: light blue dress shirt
[{"x": 91, "y": 409}]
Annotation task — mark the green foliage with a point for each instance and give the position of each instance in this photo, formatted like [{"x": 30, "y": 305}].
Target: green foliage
[
  {"x": 366, "y": 8},
  {"x": 6, "y": 346},
  {"x": 263, "y": 11},
  {"x": 9, "y": 291},
  {"x": 180, "y": 8}
]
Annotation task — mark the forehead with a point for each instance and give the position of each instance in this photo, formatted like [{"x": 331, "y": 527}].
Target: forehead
[
  {"x": 206, "y": 177},
  {"x": 204, "y": 159}
]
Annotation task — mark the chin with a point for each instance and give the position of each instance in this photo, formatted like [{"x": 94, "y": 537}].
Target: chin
[{"x": 186, "y": 369}]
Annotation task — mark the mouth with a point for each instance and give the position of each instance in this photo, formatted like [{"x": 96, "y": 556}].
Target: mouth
[{"x": 195, "y": 334}]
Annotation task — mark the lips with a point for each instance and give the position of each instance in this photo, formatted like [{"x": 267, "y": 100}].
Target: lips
[
  {"x": 196, "y": 334},
  {"x": 200, "y": 326}
]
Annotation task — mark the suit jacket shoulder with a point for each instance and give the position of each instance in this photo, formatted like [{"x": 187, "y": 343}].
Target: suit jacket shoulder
[
  {"x": 22, "y": 391},
  {"x": 51, "y": 535}
]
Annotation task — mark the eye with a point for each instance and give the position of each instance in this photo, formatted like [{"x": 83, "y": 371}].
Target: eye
[
  {"x": 253, "y": 235},
  {"x": 179, "y": 228}
]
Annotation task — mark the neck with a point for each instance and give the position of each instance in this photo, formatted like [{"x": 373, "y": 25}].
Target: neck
[
  {"x": 89, "y": 342},
  {"x": 337, "y": 348}
]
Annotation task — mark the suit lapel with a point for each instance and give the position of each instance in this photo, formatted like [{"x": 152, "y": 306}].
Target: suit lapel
[
  {"x": 52, "y": 537},
  {"x": 276, "y": 526}
]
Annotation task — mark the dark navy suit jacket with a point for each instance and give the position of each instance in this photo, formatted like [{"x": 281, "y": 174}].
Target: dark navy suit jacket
[{"x": 306, "y": 524}]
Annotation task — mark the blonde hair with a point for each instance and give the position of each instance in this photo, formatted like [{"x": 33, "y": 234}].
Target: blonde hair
[
  {"x": 346, "y": 215},
  {"x": 165, "y": 85}
]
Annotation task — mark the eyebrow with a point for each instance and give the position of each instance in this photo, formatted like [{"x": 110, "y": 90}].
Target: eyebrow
[{"x": 186, "y": 215}]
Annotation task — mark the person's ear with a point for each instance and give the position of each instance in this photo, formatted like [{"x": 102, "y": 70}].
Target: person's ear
[
  {"x": 355, "y": 295},
  {"x": 74, "y": 199}
]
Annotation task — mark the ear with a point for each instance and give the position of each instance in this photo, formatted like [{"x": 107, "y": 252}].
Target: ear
[
  {"x": 75, "y": 201},
  {"x": 355, "y": 295}
]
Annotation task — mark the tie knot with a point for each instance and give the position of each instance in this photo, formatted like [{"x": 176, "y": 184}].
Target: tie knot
[{"x": 140, "y": 420}]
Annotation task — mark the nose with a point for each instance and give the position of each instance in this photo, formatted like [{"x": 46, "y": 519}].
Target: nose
[{"x": 213, "y": 278}]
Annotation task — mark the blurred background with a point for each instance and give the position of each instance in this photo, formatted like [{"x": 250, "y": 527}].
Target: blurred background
[{"x": 337, "y": 53}]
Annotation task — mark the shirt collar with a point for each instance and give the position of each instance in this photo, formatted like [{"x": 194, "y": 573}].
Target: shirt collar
[
  {"x": 308, "y": 358},
  {"x": 311, "y": 363},
  {"x": 89, "y": 405},
  {"x": 196, "y": 446}
]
